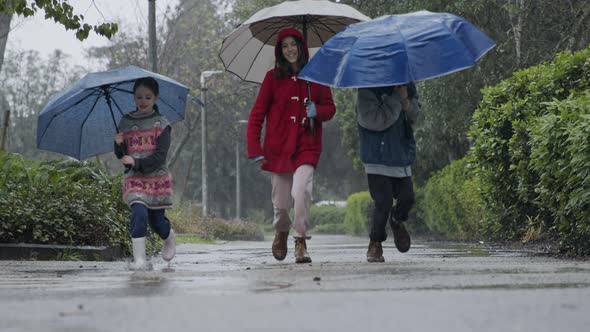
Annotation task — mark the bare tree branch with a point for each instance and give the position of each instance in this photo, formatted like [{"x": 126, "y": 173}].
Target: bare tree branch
[
  {"x": 575, "y": 28},
  {"x": 190, "y": 126}
]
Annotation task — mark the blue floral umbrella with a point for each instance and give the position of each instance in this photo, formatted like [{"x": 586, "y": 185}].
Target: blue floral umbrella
[
  {"x": 81, "y": 122},
  {"x": 397, "y": 49}
]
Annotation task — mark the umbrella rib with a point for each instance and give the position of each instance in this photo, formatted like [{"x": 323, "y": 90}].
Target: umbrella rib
[
  {"x": 84, "y": 123},
  {"x": 115, "y": 88},
  {"x": 314, "y": 22},
  {"x": 325, "y": 24},
  {"x": 67, "y": 109},
  {"x": 254, "y": 37},
  {"x": 122, "y": 90},
  {"x": 115, "y": 85},
  {"x": 95, "y": 93},
  {"x": 259, "y": 50},
  {"x": 314, "y": 29},
  {"x": 164, "y": 102},
  {"x": 275, "y": 24},
  {"x": 117, "y": 106}
]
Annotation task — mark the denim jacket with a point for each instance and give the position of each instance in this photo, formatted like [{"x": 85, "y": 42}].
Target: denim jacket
[{"x": 394, "y": 145}]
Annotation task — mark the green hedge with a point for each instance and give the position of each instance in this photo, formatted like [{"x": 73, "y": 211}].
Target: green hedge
[
  {"x": 501, "y": 135},
  {"x": 327, "y": 219},
  {"x": 450, "y": 203},
  {"x": 216, "y": 228},
  {"x": 560, "y": 155},
  {"x": 327, "y": 214},
  {"x": 359, "y": 208},
  {"x": 330, "y": 229},
  {"x": 62, "y": 202}
]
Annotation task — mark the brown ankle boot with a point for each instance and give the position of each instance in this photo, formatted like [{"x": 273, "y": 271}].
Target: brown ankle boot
[
  {"x": 279, "y": 245},
  {"x": 375, "y": 252},
  {"x": 301, "y": 255},
  {"x": 401, "y": 237}
]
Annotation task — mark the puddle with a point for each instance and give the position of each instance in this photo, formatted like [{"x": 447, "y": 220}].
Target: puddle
[
  {"x": 168, "y": 270},
  {"x": 56, "y": 272},
  {"x": 271, "y": 286},
  {"x": 572, "y": 270},
  {"x": 471, "y": 250},
  {"x": 528, "y": 286}
]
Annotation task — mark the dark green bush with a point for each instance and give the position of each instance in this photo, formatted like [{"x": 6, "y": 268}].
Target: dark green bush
[
  {"x": 560, "y": 154},
  {"x": 63, "y": 202},
  {"x": 450, "y": 204},
  {"x": 501, "y": 140},
  {"x": 70, "y": 203},
  {"x": 359, "y": 208}
]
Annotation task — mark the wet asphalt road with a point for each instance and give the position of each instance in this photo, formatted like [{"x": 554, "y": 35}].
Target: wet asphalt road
[{"x": 238, "y": 286}]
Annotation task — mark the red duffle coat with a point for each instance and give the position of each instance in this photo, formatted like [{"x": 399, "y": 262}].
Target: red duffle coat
[{"x": 288, "y": 140}]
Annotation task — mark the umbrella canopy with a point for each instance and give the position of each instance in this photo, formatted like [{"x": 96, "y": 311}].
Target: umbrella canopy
[
  {"x": 81, "y": 121},
  {"x": 397, "y": 49},
  {"x": 248, "y": 51}
]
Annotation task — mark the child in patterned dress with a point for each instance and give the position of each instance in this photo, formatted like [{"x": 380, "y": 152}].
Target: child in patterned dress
[{"x": 142, "y": 145}]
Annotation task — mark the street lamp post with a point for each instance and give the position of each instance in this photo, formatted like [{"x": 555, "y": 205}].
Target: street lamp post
[
  {"x": 153, "y": 53},
  {"x": 204, "y": 76},
  {"x": 238, "y": 198},
  {"x": 238, "y": 175}
]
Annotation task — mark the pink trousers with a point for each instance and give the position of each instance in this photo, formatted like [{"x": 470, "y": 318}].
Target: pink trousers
[{"x": 292, "y": 187}]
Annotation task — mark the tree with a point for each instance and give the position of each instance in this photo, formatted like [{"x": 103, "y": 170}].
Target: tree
[
  {"x": 4, "y": 28},
  {"x": 526, "y": 32},
  {"x": 27, "y": 82},
  {"x": 58, "y": 10},
  {"x": 61, "y": 12}
]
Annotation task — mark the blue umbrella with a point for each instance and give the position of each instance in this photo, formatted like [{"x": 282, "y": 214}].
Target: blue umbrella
[
  {"x": 81, "y": 122},
  {"x": 397, "y": 49}
]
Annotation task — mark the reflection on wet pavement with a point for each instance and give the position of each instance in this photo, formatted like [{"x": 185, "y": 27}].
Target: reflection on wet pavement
[{"x": 339, "y": 262}]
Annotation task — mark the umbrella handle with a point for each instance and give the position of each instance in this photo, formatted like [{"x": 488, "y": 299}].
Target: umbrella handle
[
  {"x": 311, "y": 120},
  {"x": 127, "y": 167},
  {"x": 107, "y": 96},
  {"x": 407, "y": 127}
]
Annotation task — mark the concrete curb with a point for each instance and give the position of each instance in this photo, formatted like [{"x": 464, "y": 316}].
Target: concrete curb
[{"x": 26, "y": 251}]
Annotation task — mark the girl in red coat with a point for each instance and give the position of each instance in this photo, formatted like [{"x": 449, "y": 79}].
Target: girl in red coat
[{"x": 293, "y": 139}]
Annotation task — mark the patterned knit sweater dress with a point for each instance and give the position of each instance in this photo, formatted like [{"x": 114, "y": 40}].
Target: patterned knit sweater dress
[{"x": 146, "y": 139}]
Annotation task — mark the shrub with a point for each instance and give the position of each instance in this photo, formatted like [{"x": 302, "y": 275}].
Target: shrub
[
  {"x": 501, "y": 140},
  {"x": 187, "y": 218},
  {"x": 560, "y": 155},
  {"x": 330, "y": 229},
  {"x": 359, "y": 208},
  {"x": 450, "y": 203},
  {"x": 327, "y": 214},
  {"x": 232, "y": 230},
  {"x": 60, "y": 202}
]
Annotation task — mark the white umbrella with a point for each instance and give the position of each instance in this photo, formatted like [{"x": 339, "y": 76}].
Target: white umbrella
[{"x": 248, "y": 51}]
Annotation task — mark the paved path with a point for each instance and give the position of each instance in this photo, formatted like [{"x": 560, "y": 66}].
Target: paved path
[{"x": 238, "y": 286}]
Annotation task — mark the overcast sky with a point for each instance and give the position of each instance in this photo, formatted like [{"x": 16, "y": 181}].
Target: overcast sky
[{"x": 45, "y": 36}]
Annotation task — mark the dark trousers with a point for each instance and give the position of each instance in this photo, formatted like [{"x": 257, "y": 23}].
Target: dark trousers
[
  {"x": 384, "y": 190},
  {"x": 141, "y": 216}
]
